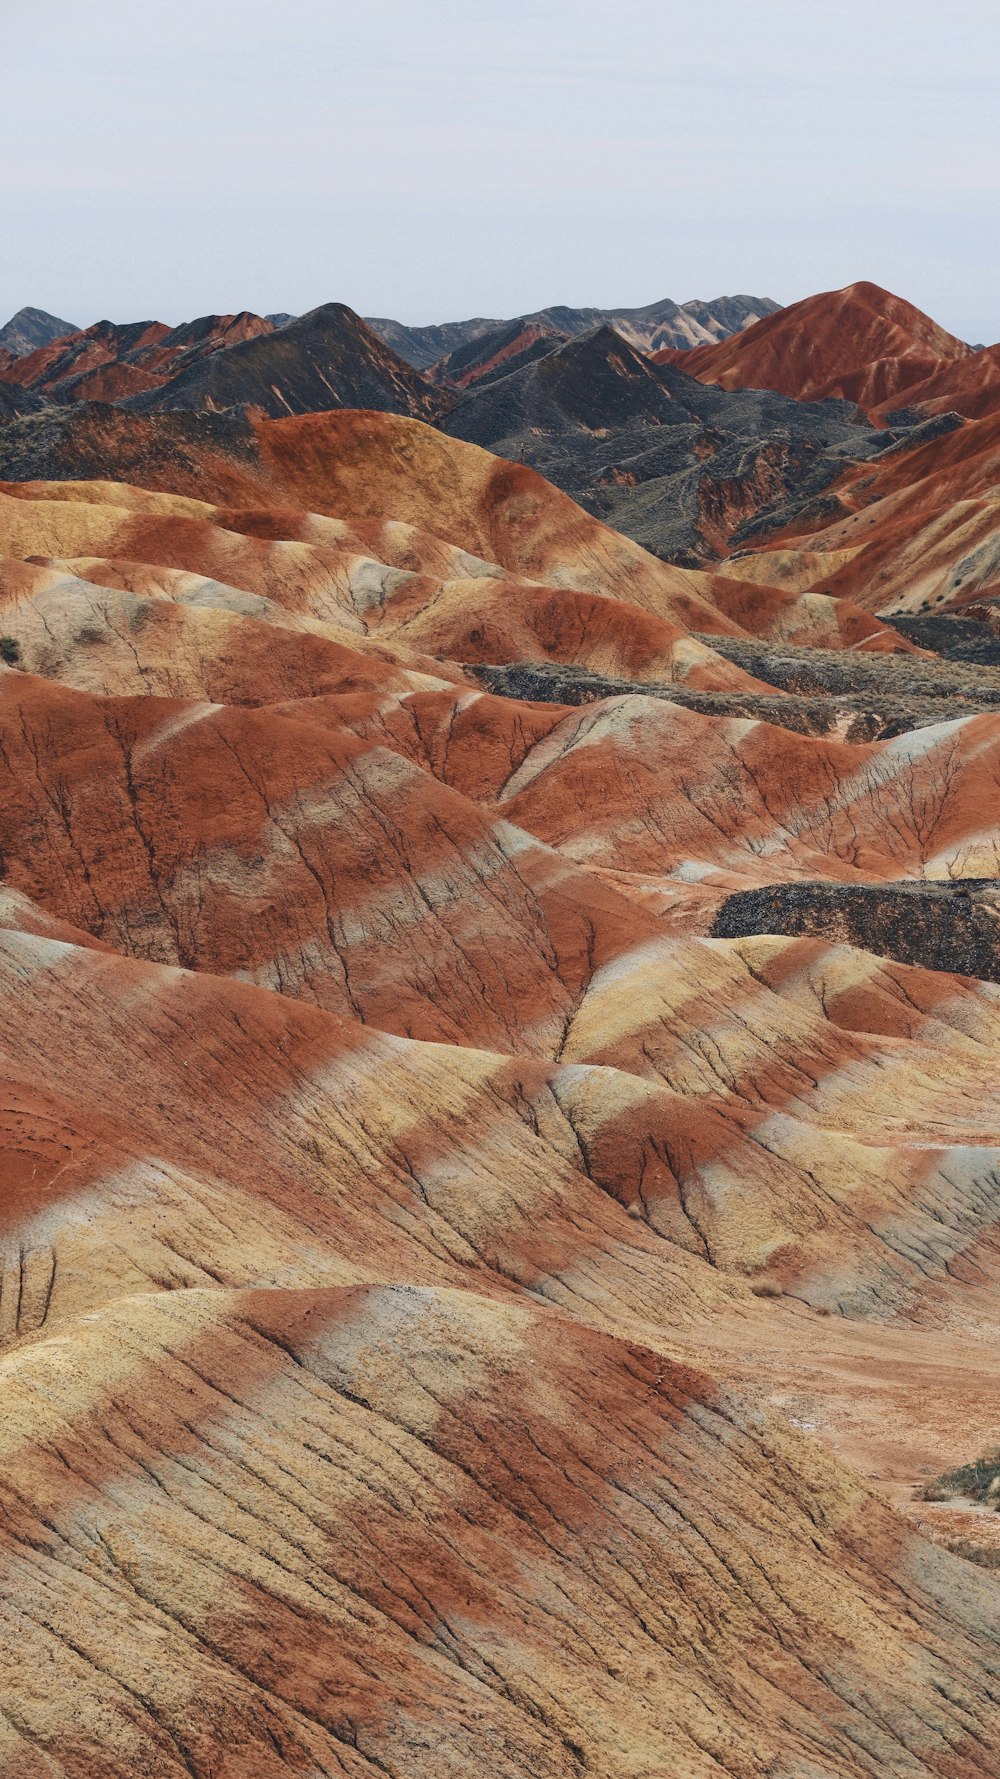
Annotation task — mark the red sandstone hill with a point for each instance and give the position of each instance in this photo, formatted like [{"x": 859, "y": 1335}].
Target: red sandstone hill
[
  {"x": 75, "y": 355},
  {"x": 861, "y": 344}
]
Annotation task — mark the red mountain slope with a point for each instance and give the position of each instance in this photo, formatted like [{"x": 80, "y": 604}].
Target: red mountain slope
[
  {"x": 969, "y": 386},
  {"x": 862, "y": 344},
  {"x": 918, "y": 531}
]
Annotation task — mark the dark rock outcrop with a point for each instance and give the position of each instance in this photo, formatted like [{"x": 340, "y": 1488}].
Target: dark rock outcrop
[
  {"x": 941, "y": 926},
  {"x": 850, "y": 717}
]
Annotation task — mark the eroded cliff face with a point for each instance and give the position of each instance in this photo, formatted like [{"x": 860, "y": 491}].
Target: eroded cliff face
[{"x": 498, "y": 1187}]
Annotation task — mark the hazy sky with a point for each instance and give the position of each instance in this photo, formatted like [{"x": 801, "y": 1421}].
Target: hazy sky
[{"x": 432, "y": 159}]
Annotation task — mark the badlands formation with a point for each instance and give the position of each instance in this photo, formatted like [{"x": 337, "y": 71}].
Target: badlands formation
[{"x": 499, "y": 1138}]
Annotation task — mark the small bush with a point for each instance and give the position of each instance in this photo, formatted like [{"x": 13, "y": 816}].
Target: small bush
[
  {"x": 10, "y": 650},
  {"x": 975, "y": 1553},
  {"x": 980, "y": 1481}
]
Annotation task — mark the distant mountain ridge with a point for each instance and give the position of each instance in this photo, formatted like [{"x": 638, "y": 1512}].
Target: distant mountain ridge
[
  {"x": 651, "y": 327},
  {"x": 305, "y": 364},
  {"x": 328, "y": 353}
]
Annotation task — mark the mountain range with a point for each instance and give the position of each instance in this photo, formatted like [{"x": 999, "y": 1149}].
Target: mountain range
[
  {"x": 662, "y": 324},
  {"x": 685, "y": 458},
  {"x": 499, "y": 1159}
]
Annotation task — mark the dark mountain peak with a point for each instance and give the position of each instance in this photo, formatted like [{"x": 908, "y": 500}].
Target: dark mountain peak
[
  {"x": 330, "y": 315},
  {"x": 124, "y": 335},
  {"x": 31, "y": 328},
  {"x": 604, "y": 338},
  {"x": 327, "y": 358},
  {"x": 604, "y": 350},
  {"x": 726, "y": 315}
]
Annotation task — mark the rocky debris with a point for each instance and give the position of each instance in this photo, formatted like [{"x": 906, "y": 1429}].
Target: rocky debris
[
  {"x": 975, "y": 640},
  {"x": 15, "y": 402},
  {"x": 186, "y": 451},
  {"x": 964, "y": 680}
]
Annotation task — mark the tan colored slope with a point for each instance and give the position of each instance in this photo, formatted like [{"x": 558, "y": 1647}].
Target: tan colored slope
[
  {"x": 335, "y": 581},
  {"x": 388, "y": 541},
  {"x": 248, "y": 1140},
  {"x": 794, "y": 571},
  {"x": 191, "y": 637},
  {"x": 162, "y": 1129},
  {"x": 328, "y": 583},
  {"x": 915, "y": 551},
  {"x": 181, "y": 1128},
  {"x": 638, "y": 784},
  {"x": 373, "y": 547},
  {"x": 865, "y": 1084},
  {"x": 361, "y": 468},
  {"x": 404, "y": 1532}
]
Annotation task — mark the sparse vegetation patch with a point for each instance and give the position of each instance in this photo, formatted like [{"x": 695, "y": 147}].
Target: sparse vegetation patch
[{"x": 979, "y": 1481}]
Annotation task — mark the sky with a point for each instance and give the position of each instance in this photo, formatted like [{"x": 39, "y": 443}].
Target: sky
[{"x": 431, "y": 160}]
